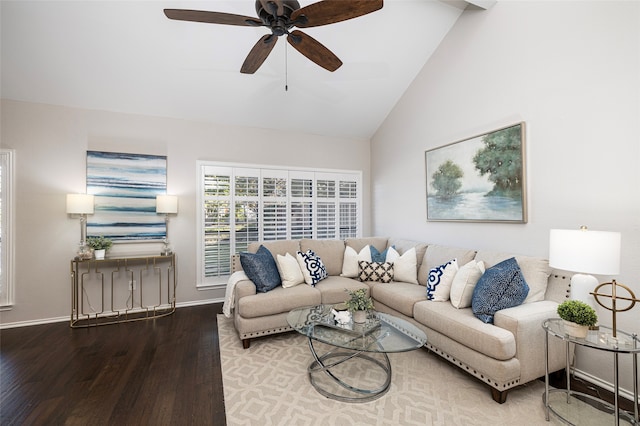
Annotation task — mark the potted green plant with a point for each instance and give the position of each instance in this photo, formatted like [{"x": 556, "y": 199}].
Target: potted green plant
[
  {"x": 99, "y": 245},
  {"x": 578, "y": 317},
  {"x": 359, "y": 304}
]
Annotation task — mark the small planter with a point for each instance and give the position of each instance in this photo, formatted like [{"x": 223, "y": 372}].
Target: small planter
[
  {"x": 575, "y": 330},
  {"x": 99, "y": 254},
  {"x": 359, "y": 316}
]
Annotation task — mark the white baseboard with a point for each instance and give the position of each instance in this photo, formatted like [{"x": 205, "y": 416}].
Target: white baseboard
[
  {"x": 67, "y": 319},
  {"x": 603, "y": 384}
]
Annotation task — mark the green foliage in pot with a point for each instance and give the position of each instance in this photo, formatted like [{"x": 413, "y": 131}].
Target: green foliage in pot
[
  {"x": 578, "y": 312},
  {"x": 358, "y": 300},
  {"x": 99, "y": 243}
]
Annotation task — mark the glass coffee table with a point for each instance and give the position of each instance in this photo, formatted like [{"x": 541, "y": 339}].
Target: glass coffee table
[{"x": 366, "y": 344}]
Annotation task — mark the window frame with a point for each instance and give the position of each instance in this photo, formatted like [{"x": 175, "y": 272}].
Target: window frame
[
  {"x": 7, "y": 237},
  {"x": 265, "y": 172}
]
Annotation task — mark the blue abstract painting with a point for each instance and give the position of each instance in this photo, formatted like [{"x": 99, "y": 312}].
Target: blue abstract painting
[{"x": 125, "y": 188}]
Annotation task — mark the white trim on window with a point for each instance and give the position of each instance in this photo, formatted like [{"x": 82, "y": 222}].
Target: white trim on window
[
  {"x": 7, "y": 239},
  {"x": 242, "y": 203}
]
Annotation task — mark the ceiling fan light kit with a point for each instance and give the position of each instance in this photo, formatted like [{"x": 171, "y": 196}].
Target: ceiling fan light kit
[{"x": 280, "y": 16}]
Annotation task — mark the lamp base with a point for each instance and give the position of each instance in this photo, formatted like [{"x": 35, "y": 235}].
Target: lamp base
[{"x": 581, "y": 287}]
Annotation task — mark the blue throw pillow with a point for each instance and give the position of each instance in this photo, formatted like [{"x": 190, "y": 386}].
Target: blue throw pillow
[
  {"x": 501, "y": 286},
  {"x": 377, "y": 256},
  {"x": 261, "y": 268}
]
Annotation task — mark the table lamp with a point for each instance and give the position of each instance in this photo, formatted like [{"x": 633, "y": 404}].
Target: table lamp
[
  {"x": 166, "y": 204},
  {"x": 81, "y": 205},
  {"x": 590, "y": 252}
]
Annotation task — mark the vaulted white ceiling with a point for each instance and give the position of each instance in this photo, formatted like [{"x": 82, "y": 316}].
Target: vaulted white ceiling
[{"x": 126, "y": 56}]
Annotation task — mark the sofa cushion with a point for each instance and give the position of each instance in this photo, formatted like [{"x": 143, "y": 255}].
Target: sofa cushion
[
  {"x": 375, "y": 271},
  {"x": 277, "y": 301},
  {"x": 358, "y": 243},
  {"x": 398, "y": 296},
  {"x": 333, "y": 289},
  {"x": 261, "y": 268},
  {"x": 536, "y": 271},
  {"x": 350, "y": 268},
  {"x": 330, "y": 251},
  {"x": 464, "y": 283},
  {"x": 462, "y": 326},
  {"x": 501, "y": 286},
  {"x": 402, "y": 246},
  {"x": 312, "y": 267},
  {"x": 276, "y": 247},
  {"x": 436, "y": 255},
  {"x": 440, "y": 280},
  {"x": 290, "y": 271},
  {"x": 404, "y": 266}
]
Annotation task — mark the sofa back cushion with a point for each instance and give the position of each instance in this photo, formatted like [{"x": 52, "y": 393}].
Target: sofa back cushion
[
  {"x": 280, "y": 247},
  {"x": 536, "y": 271},
  {"x": 331, "y": 252},
  {"x": 437, "y": 255},
  {"x": 380, "y": 243}
]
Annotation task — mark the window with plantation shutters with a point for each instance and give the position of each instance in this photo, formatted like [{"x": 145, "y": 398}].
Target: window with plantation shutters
[{"x": 240, "y": 204}]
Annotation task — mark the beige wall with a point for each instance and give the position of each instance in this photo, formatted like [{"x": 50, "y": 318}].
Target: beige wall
[
  {"x": 571, "y": 71},
  {"x": 51, "y": 144}
]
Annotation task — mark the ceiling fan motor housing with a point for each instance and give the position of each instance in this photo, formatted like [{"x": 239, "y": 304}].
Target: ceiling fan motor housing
[{"x": 279, "y": 24}]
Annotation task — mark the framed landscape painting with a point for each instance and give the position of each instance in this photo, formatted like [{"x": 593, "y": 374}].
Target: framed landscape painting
[
  {"x": 125, "y": 188},
  {"x": 479, "y": 179}
]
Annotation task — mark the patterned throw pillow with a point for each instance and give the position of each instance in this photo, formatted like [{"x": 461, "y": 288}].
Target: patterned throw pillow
[
  {"x": 440, "y": 280},
  {"x": 312, "y": 267},
  {"x": 375, "y": 271},
  {"x": 502, "y": 286},
  {"x": 261, "y": 268}
]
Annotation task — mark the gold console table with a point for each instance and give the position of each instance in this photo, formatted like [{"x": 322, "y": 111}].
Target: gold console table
[{"x": 115, "y": 290}]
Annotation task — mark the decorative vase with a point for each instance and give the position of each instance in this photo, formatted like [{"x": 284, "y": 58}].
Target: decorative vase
[
  {"x": 99, "y": 254},
  {"x": 575, "y": 330},
  {"x": 359, "y": 316}
]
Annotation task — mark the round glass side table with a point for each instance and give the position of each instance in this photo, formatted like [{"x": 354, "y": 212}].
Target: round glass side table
[{"x": 601, "y": 340}]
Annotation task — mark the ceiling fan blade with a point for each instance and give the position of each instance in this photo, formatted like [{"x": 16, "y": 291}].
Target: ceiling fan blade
[
  {"x": 331, "y": 11},
  {"x": 314, "y": 50},
  {"x": 211, "y": 17},
  {"x": 258, "y": 54},
  {"x": 277, "y": 3}
]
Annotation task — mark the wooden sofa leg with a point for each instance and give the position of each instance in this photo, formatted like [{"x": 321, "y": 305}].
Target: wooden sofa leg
[
  {"x": 246, "y": 343},
  {"x": 499, "y": 396}
]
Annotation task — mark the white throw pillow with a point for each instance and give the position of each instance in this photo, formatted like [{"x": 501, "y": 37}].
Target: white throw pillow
[
  {"x": 440, "y": 280},
  {"x": 405, "y": 267},
  {"x": 290, "y": 271},
  {"x": 464, "y": 282},
  {"x": 350, "y": 267}
]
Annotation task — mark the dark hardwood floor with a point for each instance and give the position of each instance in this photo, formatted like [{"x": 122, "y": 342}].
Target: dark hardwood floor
[{"x": 158, "y": 372}]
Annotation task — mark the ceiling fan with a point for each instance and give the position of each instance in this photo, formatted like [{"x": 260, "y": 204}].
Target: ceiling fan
[{"x": 280, "y": 16}]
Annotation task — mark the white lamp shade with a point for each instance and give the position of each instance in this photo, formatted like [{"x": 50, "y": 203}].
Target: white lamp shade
[
  {"x": 589, "y": 252},
  {"x": 166, "y": 204},
  {"x": 79, "y": 204}
]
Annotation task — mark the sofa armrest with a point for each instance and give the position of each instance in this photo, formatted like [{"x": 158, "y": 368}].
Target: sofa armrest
[
  {"x": 525, "y": 322},
  {"x": 244, "y": 288}
]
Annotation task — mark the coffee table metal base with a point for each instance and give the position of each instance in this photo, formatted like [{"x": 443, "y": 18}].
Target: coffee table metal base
[{"x": 353, "y": 394}]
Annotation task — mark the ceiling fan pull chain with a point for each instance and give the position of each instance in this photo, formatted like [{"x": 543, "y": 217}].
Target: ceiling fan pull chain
[{"x": 286, "y": 69}]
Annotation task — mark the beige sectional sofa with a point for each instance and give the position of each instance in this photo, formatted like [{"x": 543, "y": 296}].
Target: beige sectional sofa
[{"x": 504, "y": 354}]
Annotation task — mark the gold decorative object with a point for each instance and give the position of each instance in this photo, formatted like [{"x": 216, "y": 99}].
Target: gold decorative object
[{"x": 614, "y": 298}]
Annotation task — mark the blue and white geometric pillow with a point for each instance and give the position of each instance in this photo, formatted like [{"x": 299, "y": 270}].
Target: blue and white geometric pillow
[
  {"x": 500, "y": 287},
  {"x": 440, "y": 280},
  {"x": 312, "y": 267}
]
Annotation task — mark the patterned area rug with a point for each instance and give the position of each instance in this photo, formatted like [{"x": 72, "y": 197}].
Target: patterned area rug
[{"x": 267, "y": 384}]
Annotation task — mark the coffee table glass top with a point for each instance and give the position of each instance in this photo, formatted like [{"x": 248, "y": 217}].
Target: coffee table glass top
[{"x": 380, "y": 333}]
